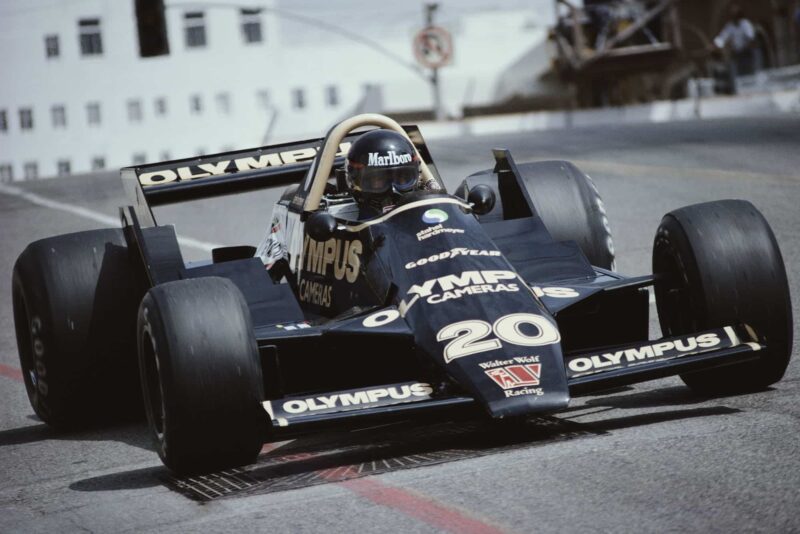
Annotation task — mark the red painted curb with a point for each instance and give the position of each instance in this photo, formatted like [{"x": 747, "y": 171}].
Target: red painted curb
[
  {"x": 420, "y": 507},
  {"x": 10, "y": 372}
]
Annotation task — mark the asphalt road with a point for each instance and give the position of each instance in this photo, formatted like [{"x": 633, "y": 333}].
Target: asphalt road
[{"x": 652, "y": 458}]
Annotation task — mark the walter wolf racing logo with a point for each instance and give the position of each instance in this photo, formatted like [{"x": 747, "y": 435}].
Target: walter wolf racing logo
[{"x": 514, "y": 376}]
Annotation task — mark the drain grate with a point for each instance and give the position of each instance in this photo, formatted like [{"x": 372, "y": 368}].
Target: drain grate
[{"x": 334, "y": 458}]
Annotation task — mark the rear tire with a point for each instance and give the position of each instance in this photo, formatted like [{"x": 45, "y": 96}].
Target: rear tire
[
  {"x": 570, "y": 206},
  {"x": 75, "y": 300},
  {"x": 565, "y": 198},
  {"x": 201, "y": 375},
  {"x": 718, "y": 264}
]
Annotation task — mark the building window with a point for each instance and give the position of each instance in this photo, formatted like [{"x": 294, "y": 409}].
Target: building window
[
  {"x": 224, "y": 103},
  {"x": 263, "y": 98},
  {"x": 26, "y": 119},
  {"x": 332, "y": 95},
  {"x": 195, "y": 104},
  {"x": 59, "y": 116},
  {"x": 139, "y": 158},
  {"x": 251, "y": 26},
  {"x": 91, "y": 43},
  {"x": 98, "y": 163},
  {"x": 30, "y": 170},
  {"x": 3, "y": 120},
  {"x": 134, "y": 110},
  {"x": 194, "y": 24},
  {"x": 63, "y": 167},
  {"x": 161, "y": 106},
  {"x": 298, "y": 98},
  {"x": 93, "y": 112},
  {"x": 6, "y": 173},
  {"x": 51, "y": 46}
]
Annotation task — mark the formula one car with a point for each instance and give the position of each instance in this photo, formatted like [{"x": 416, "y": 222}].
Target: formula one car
[{"x": 499, "y": 299}]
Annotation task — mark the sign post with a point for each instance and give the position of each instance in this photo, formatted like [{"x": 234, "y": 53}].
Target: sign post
[{"x": 433, "y": 48}]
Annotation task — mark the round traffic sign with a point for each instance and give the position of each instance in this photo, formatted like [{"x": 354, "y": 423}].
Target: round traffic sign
[{"x": 433, "y": 47}]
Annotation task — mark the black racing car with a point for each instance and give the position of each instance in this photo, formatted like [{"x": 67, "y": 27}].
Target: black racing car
[{"x": 499, "y": 299}]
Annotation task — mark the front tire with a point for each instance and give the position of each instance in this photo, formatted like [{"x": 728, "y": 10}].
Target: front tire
[
  {"x": 201, "y": 375},
  {"x": 75, "y": 299},
  {"x": 718, "y": 264}
]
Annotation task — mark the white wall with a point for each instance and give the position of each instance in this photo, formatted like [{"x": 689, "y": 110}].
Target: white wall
[{"x": 484, "y": 49}]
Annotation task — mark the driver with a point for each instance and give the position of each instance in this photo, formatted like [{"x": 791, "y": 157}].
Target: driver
[{"x": 381, "y": 166}]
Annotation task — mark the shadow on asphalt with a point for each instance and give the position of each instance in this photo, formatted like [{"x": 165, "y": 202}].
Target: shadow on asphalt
[
  {"x": 136, "y": 435},
  {"x": 344, "y": 456},
  {"x": 658, "y": 398}
]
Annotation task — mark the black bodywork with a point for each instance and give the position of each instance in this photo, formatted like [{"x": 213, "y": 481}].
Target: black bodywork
[{"x": 498, "y": 316}]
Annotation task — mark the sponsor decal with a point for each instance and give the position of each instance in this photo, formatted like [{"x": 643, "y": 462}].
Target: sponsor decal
[
  {"x": 358, "y": 398},
  {"x": 315, "y": 293},
  {"x": 472, "y": 337},
  {"x": 555, "y": 292},
  {"x": 657, "y": 351},
  {"x": 229, "y": 166},
  {"x": 341, "y": 256},
  {"x": 392, "y": 158},
  {"x": 456, "y": 286},
  {"x": 273, "y": 248},
  {"x": 450, "y": 254},
  {"x": 517, "y": 379},
  {"x": 293, "y": 326},
  {"x": 38, "y": 374},
  {"x": 380, "y": 318},
  {"x": 436, "y": 230},
  {"x": 434, "y": 216}
]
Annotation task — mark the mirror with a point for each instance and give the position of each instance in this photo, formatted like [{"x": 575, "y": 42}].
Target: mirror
[
  {"x": 320, "y": 226},
  {"x": 482, "y": 198}
]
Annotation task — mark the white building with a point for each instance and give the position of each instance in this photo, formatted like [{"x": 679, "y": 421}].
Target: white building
[{"x": 75, "y": 95}]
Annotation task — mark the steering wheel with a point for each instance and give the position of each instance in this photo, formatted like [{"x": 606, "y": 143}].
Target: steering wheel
[{"x": 321, "y": 168}]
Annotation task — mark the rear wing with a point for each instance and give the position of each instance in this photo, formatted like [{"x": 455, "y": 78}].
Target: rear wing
[{"x": 238, "y": 171}]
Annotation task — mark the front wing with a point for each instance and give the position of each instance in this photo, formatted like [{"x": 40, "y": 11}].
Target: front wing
[{"x": 586, "y": 373}]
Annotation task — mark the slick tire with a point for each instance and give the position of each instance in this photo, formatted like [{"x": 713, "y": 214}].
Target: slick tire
[
  {"x": 571, "y": 208},
  {"x": 718, "y": 264},
  {"x": 201, "y": 375},
  {"x": 75, "y": 299}
]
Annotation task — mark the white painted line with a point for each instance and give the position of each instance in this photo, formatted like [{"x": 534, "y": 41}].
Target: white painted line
[{"x": 91, "y": 215}]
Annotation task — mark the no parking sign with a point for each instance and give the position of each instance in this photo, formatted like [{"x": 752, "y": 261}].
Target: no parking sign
[{"x": 433, "y": 47}]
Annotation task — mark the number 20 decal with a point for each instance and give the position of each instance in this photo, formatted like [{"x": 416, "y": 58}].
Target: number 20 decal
[{"x": 468, "y": 337}]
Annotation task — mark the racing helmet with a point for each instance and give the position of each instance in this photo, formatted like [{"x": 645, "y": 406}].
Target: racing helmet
[{"x": 379, "y": 160}]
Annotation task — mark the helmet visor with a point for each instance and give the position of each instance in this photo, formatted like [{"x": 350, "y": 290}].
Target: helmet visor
[{"x": 377, "y": 180}]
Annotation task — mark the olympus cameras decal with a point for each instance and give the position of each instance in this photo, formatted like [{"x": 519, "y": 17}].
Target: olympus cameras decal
[
  {"x": 349, "y": 400},
  {"x": 663, "y": 350},
  {"x": 337, "y": 257},
  {"x": 456, "y": 286},
  {"x": 474, "y": 336},
  {"x": 228, "y": 166}
]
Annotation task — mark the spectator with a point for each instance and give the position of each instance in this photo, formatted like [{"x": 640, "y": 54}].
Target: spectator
[{"x": 739, "y": 37}]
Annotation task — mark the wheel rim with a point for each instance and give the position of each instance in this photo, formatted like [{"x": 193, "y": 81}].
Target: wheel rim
[{"x": 675, "y": 301}]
